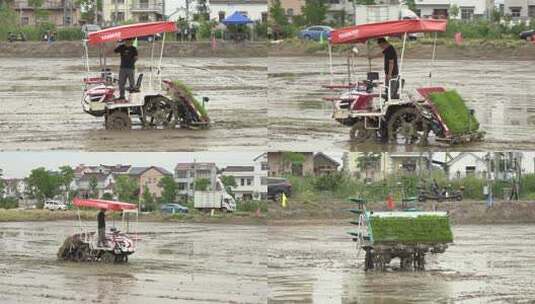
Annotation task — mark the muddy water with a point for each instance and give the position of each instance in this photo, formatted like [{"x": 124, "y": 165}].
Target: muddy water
[
  {"x": 175, "y": 263},
  {"x": 499, "y": 91},
  {"x": 40, "y": 107},
  {"x": 319, "y": 264}
]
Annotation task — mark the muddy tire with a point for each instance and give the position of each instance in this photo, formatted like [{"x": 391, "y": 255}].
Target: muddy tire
[
  {"x": 359, "y": 134},
  {"x": 159, "y": 113},
  {"x": 118, "y": 120},
  {"x": 406, "y": 126},
  {"x": 107, "y": 257}
]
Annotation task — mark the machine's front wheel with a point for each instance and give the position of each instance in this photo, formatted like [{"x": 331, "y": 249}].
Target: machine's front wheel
[
  {"x": 359, "y": 134},
  {"x": 118, "y": 120},
  {"x": 407, "y": 126}
]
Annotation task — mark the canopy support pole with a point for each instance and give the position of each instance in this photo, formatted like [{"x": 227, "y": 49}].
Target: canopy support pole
[
  {"x": 160, "y": 63},
  {"x": 433, "y": 59},
  {"x": 401, "y": 63},
  {"x": 331, "y": 63},
  {"x": 151, "y": 63}
]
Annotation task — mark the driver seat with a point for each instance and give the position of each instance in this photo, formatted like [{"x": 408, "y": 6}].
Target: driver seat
[{"x": 137, "y": 87}]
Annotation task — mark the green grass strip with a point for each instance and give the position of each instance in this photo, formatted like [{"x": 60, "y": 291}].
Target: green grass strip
[
  {"x": 454, "y": 112},
  {"x": 427, "y": 229}
]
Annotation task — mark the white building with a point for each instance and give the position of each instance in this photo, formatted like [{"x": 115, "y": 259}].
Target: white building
[
  {"x": 105, "y": 183},
  {"x": 462, "y": 164},
  {"x": 114, "y": 11},
  {"x": 14, "y": 187},
  {"x": 256, "y": 10},
  {"x": 251, "y": 181},
  {"x": 520, "y": 9},
  {"x": 468, "y": 9}
]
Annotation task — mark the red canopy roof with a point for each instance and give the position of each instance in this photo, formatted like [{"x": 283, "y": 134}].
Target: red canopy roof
[
  {"x": 103, "y": 204},
  {"x": 131, "y": 31},
  {"x": 363, "y": 32}
]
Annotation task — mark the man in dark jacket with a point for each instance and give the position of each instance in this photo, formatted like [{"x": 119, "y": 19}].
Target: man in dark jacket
[
  {"x": 390, "y": 65},
  {"x": 128, "y": 65},
  {"x": 101, "y": 218}
]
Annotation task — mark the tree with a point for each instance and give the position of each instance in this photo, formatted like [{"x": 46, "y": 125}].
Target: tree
[
  {"x": 147, "y": 199},
  {"x": 93, "y": 184},
  {"x": 276, "y": 13},
  {"x": 2, "y": 183},
  {"x": 228, "y": 182},
  {"x": 107, "y": 196},
  {"x": 201, "y": 184},
  {"x": 202, "y": 10},
  {"x": 127, "y": 189},
  {"x": 368, "y": 161},
  {"x": 44, "y": 184},
  {"x": 454, "y": 11},
  {"x": 67, "y": 176},
  {"x": 411, "y": 4},
  {"x": 367, "y": 2},
  {"x": 314, "y": 11},
  {"x": 169, "y": 189}
]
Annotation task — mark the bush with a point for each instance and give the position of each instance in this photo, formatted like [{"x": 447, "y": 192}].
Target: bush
[
  {"x": 69, "y": 33},
  {"x": 9, "y": 203},
  {"x": 251, "y": 206}
]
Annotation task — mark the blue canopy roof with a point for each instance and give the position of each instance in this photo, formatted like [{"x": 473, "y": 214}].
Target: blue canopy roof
[{"x": 236, "y": 19}]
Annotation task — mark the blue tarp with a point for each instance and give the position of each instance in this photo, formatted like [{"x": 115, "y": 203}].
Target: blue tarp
[{"x": 236, "y": 19}]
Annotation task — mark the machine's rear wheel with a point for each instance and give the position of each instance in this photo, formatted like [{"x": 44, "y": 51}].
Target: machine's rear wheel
[
  {"x": 359, "y": 134},
  {"x": 159, "y": 112},
  {"x": 407, "y": 126},
  {"x": 118, "y": 120},
  {"x": 107, "y": 257}
]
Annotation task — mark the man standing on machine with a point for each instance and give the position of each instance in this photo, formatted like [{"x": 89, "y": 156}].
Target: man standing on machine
[{"x": 128, "y": 54}]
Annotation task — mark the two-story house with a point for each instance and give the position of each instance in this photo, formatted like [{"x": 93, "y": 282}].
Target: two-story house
[
  {"x": 251, "y": 181},
  {"x": 57, "y": 12},
  {"x": 467, "y": 9},
  {"x": 149, "y": 177},
  {"x": 115, "y": 11}
]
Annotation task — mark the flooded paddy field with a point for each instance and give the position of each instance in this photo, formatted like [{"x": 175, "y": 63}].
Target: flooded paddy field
[
  {"x": 209, "y": 263},
  {"x": 175, "y": 263},
  {"x": 319, "y": 264},
  {"x": 499, "y": 91},
  {"x": 41, "y": 106}
]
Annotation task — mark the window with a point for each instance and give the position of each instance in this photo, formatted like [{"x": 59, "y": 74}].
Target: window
[
  {"x": 265, "y": 166},
  {"x": 263, "y": 180},
  {"x": 242, "y": 181},
  {"x": 221, "y": 16},
  {"x": 467, "y": 13},
  {"x": 515, "y": 11},
  {"x": 182, "y": 186},
  {"x": 290, "y": 12},
  {"x": 249, "y": 181},
  {"x": 334, "y": 1},
  {"x": 531, "y": 11},
  {"x": 182, "y": 174},
  {"x": 143, "y": 17},
  {"x": 470, "y": 170},
  {"x": 418, "y": 12},
  {"x": 264, "y": 17}
]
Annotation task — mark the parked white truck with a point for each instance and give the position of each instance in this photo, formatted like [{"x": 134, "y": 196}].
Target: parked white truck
[{"x": 215, "y": 199}]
